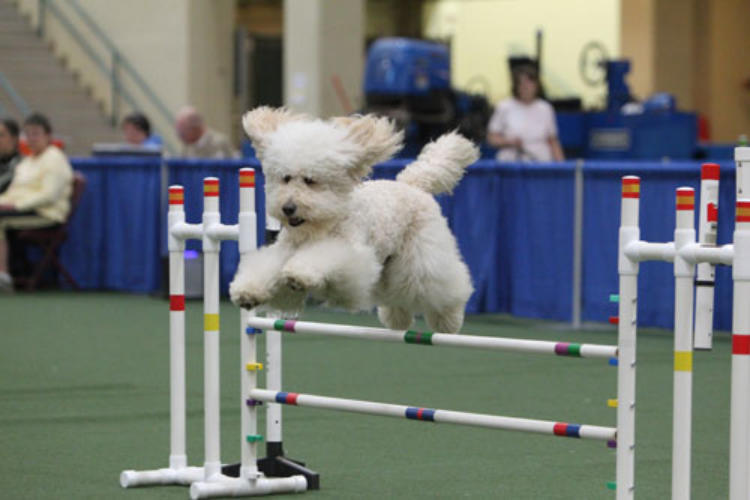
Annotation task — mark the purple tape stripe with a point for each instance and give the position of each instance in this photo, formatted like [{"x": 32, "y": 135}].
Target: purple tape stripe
[
  {"x": 289, "y": 326},
  {"x": 561, "y": 348}
]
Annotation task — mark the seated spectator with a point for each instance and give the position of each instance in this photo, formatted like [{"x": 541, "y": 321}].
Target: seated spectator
[
  {"x": 199, "y": 141},
  {"x": 9, "y": 155},
  {"x": 39, "y": 195},
  {"x": 137, "y": 130},
  {"x": 524, "y": 126}
]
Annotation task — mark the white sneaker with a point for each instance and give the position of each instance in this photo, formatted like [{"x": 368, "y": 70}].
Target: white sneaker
[{"x": 6, "y": 282}]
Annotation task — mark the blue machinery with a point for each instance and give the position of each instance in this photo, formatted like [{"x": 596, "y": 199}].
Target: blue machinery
[{"x": 409, "y": 80}]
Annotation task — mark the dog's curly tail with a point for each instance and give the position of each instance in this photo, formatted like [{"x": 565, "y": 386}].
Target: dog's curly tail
[{"x": 441, "y": 164}]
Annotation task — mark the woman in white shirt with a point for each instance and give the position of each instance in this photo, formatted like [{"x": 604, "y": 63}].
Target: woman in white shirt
[{"x": 523, "y": 126}]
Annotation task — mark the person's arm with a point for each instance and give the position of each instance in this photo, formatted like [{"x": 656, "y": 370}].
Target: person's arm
[
  {"x": 498, "y": 140},
  {"x": 557, "y": 151}
]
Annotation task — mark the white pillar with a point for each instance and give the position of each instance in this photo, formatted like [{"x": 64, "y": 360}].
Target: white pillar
[
  {"x": 626, "y": 343},
  {"x": 684, "y": 272},
  {"x": 212, "y": 390},
  {"x": 323, "y": 55}
]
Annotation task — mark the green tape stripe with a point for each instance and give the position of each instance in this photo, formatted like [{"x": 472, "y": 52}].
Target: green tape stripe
[
  {"x": 279, "y": 325},
  {"x": 414, "y": 337},
  {"x": 614, "y": 298},
  {"x": 574, "y": 350}
]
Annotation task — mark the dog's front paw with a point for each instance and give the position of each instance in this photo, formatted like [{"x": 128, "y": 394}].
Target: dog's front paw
[
  {"x": 247, "y": 297},
  {"x": 301, "y": 280}
]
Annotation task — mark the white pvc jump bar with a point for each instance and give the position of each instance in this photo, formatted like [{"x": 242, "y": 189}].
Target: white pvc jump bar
[
  {"x": 438, "y": 416},
  {"x": 437, "y": 339}
]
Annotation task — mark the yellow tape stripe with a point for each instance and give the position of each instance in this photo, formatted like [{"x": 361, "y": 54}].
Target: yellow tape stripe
[
  {"x": 743, "y": 211},
  {"x": 683, "y": 361},
  {"x": 210, "y": 189},
  {"x": 631, "y": 188},
  {"x": 685, "y": 200},
  {"x": 211, "y": 322},
  {"x": 612, "y": 403}
]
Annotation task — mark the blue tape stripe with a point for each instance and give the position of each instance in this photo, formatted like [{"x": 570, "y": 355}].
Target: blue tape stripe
[
  {"x": 253, "y": 331},
  {"x": 281, "y": 397},
  {"x": 573, "y": 430},
  {"x": 426, "y": 414}
]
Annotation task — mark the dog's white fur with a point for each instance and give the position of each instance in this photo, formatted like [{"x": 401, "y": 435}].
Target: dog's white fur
[{"x": 359, "y": 244}]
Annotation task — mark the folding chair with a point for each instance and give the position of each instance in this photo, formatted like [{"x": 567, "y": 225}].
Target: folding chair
[{"x": 49, "y": 240}]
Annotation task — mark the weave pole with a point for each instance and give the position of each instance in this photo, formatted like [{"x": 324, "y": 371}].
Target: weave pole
[
  {"x": 435, "y": 339},
  {"x": 438, "y": 416}
]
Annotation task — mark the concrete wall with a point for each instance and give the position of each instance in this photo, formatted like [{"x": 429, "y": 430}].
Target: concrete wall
[
  {"x": 323, "y": 51},
  {"x": 692, "y": 49},
  {"x": 181, "y": 48}
]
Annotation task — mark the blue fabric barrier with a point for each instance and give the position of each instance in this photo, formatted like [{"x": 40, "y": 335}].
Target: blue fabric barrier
[
  {"x": 513, "y": 223},
  {"x": 190, "y": 174},
  {"x": 115, "y": 233},
  {"x": 657, "y": 220}
]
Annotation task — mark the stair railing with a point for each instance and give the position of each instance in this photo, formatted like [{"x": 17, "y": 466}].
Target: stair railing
[{"x": 117, "y": 66}]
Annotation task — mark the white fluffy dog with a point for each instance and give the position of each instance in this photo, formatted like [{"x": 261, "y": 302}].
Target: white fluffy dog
[{"x": 351, "y": 243}]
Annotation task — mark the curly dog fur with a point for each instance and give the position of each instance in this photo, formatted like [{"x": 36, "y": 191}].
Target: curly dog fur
[{"x": 350, "y": 242}]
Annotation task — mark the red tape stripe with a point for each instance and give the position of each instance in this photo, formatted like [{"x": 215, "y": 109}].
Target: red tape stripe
[
  {"x": 740, "y": 344},
  {"x": 291, "y": 398},
  {"x": 176, "y": 302}
]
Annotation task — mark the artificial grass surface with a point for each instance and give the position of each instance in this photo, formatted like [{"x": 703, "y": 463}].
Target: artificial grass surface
[{"x": 84, "y": 394}]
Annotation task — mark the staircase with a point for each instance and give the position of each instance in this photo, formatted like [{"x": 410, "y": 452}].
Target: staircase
[{"x": 46, "y": 86}]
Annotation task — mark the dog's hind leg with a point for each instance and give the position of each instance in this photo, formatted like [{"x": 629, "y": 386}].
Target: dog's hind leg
[
  {"x": 395, "y": 318},
  {"x": 448, "y": 320}
]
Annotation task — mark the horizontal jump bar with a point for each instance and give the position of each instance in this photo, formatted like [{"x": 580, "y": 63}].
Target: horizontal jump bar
[
  {"x": 438, "y": 416},
  {"x": 438, "y": 339}
]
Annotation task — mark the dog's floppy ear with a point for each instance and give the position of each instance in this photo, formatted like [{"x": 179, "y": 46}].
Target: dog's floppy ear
[
  {"x": 261, "y": 122},
  {"x": 376, "y": 137}
]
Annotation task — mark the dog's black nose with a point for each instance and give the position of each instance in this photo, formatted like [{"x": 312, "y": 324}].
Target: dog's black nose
[{"x": 289, "y": 208}]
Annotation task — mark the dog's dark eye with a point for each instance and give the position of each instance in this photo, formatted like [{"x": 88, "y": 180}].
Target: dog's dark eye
[
  {"x": 287, "y": 178},
  {"x": 309, "y": 181}
]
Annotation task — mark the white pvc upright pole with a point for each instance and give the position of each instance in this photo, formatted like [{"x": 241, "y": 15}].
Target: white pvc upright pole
[
  {"x": 176, "y": 215},
  {"x": 212, "y": 391},
  {"x": 684, "y": 272},
  {"x": 273, "y": 383},
  {"x": 248, "y": 343},
  {"x": 626, "y": 334},
  {"x": 739, "y": 441},
  {"x": 707, "y": 222}
]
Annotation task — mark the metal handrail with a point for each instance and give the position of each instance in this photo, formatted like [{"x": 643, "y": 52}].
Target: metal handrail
[
  {"x": 122, "y": 60},
  {"x": 117, "y": 60},
  {"x": 18, "y": 101}
]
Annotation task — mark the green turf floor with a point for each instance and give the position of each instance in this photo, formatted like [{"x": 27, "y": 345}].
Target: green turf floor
[{"x": 84, "y": 395}]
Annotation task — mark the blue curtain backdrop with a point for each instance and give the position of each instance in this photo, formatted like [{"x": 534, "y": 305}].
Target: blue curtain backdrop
[{"x": 513, "y": 223}]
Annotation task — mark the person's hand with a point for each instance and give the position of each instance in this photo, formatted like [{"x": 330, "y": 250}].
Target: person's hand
[{"x": 6, "y": 207}]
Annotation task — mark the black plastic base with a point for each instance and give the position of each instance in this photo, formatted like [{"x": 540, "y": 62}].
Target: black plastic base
[{"x": 277, "y": 465}]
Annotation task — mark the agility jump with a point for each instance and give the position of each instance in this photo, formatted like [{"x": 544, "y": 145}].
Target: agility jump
[
  {"x": 686, "y": 254},
  {"x": 213, "y": 480}
]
